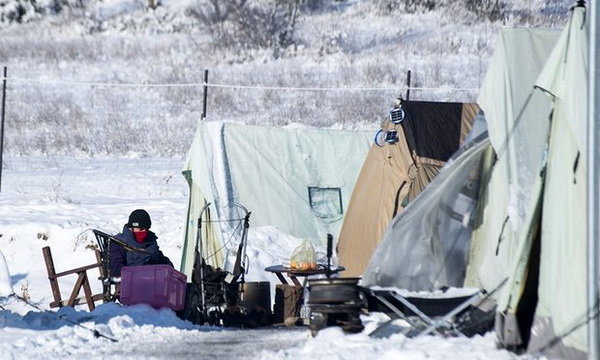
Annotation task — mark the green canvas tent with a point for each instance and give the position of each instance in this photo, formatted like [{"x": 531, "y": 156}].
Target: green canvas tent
[
  {"x": 533, "y": 211},
  {"x": 545, "y": 307},
  {"x": 530, "y": 222},
  {"x": 297, "y": 179},
  {"x": 516, "y": 113}
]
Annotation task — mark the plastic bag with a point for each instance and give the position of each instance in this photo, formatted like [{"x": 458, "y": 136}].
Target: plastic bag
[{"x": 304, "y": 257}]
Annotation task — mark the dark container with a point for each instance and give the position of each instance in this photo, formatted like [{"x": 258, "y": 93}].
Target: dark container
[
  {"x": 257, "y": 296},
  {"x": 288, "y": 300},
  {"x": 335, "y": 302},
  {"x": 333, "y": 291}
]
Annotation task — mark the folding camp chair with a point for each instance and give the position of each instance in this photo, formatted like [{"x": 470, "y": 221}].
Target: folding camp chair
[
  {"x": 399, "y": 307},
  {"x": 81, "y": 283},
  {"x": 110, "y": 285},
  {"x": 452, "y": 323},
  {"x": 452, "y": 320}
]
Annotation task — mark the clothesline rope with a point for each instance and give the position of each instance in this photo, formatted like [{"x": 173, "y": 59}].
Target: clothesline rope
[
  {"x": 336, "y": 88},
  {"x": 92, "y": 83},
  {"x": 228, "y": 86}
]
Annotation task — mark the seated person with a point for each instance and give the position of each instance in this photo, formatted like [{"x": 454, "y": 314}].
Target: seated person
[{"x": 136, "y": 234}]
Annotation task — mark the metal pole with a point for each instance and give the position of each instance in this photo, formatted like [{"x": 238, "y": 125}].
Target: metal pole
[
  {"x": 408, "y": 85},
  {"x": 329, "y": 254},
  {"x": 593, "y": 203},
  {"x": 2, "y": 123},
  {"x": 205, "y": 94}
]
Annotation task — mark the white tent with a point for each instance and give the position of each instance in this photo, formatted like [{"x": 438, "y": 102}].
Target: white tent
[
  {"x": 297, "y": 179},
  {"x": 533, "y": 211}
]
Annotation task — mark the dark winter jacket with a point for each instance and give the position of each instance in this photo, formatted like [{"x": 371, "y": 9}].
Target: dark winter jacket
[{"x": 119, "y": 256}]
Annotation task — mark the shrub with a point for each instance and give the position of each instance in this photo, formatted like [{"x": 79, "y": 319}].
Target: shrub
[{"x": 244, "y": 25}]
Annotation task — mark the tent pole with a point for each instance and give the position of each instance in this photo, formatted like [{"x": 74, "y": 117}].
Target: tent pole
[
  {"x": 593, "y": 222},
  {"x": 205, "y": 87},
  {"x": 2, "y": 123},
  {"x": 408, "y": 85}
]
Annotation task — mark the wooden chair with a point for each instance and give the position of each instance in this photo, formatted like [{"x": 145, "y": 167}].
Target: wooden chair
[{"x": 82, "y": 282}]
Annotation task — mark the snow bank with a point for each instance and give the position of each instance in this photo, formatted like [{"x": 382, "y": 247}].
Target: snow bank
[{"x": 5, "y": 284}]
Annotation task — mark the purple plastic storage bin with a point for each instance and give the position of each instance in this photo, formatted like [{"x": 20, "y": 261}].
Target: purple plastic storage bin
[{"x": 156, "y": 285}]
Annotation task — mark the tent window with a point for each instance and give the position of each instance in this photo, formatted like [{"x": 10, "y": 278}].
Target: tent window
[{"x": 325, "y": 202}]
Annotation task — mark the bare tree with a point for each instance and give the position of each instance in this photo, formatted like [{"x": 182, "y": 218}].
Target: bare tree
[{"x": 406, "y": 6}]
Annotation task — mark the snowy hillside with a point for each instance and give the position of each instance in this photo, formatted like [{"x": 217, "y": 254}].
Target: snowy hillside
[{"x": 85, "y": 76}]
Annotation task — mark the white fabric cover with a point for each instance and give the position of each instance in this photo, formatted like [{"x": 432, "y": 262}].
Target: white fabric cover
[
  {"x": 271, "y": 170},
  {"x": 199, "y": 176}
]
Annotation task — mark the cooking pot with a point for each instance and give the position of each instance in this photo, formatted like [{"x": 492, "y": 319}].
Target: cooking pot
[{"x": 333, "y": 291}]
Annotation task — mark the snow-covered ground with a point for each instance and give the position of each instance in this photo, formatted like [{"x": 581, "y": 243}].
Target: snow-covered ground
[{"x": 55, "y": 201}]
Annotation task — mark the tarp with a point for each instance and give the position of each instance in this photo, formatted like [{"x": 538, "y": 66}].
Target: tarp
[
  {"x": 395, "y": 173},
  {"x": 297, "y": 179},
  {"x": 426, "y": 247}
]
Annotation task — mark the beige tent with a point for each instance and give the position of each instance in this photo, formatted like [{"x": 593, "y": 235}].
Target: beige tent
[{"x": 395, "y": 173}]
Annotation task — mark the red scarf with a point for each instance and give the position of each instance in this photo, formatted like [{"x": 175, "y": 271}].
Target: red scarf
[{"x": 140, "y": 236}]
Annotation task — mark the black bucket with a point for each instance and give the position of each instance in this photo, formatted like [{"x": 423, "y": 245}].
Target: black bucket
[{"x": 257, "y": 296}]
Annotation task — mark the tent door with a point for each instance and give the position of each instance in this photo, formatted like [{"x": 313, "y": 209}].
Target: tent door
[{"x": 529, "y": 299}]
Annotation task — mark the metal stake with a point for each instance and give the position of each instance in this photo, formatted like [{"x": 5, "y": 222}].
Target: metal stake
[
  {"x": 329, "y": 254},
  {"x": 205, "y": 87},
  {"x": 408, "y": 85},
  {"x": 593, "y": 198},
  {"x": 2, "y": 123}
]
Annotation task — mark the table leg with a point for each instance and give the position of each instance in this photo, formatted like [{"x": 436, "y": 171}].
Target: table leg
[
  {"x": 294, "y": 280},
  {"x": 281, "y": 278}
]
